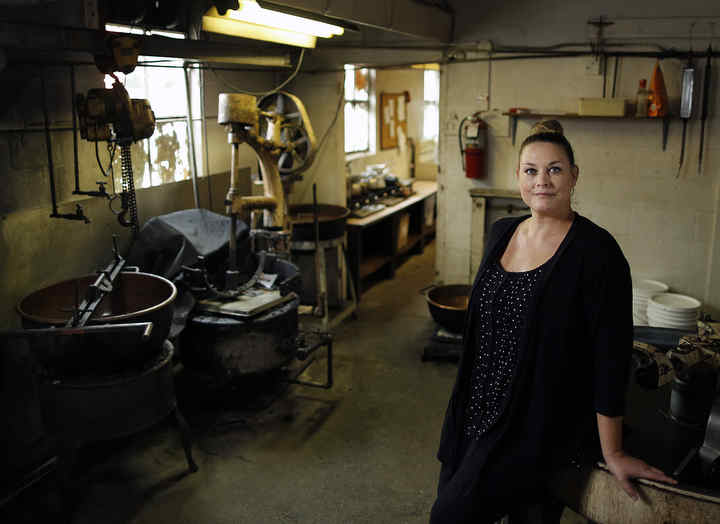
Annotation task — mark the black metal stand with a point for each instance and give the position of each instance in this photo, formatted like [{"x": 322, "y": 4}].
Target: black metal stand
[
  {"x": 186, "y": 439},
  {"x": 307, "y": 343},
  {"x": 443, "y": 345}
]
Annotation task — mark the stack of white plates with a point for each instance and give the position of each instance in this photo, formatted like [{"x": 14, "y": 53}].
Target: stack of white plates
[
  {"x": 670, "y": 310},
  {"x": 642, "y": 291}
]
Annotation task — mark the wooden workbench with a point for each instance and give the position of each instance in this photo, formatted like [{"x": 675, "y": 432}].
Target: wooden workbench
[
  {"x": 653, "y": 437},
  {"x": 373, "y": 240}
]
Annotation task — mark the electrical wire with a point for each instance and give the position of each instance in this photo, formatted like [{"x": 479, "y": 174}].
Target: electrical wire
[
  {"x": 341, "y": 98},
  {"x": 261, "y": 94}
]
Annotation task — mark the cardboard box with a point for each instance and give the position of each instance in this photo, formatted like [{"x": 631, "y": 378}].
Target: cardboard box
[{"x": 602, "y": 106}]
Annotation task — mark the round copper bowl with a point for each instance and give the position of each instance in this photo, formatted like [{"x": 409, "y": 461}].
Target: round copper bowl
[
  {"x": 331, "y": 221},
  {"x": 448, "y": 305},
  {"x": 136, "y": 297}
]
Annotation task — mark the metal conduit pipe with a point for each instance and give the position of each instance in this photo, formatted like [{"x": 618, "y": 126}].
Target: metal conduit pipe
[
  {"x": 203, "y": 116},
  {"x": 191, "y": 139}
]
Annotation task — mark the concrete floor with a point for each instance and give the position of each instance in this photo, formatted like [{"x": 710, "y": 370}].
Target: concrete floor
[{"x": 363, "y": 451}]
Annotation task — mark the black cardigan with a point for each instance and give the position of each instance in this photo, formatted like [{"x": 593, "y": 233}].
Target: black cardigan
[{"x": 574, "y": 354}]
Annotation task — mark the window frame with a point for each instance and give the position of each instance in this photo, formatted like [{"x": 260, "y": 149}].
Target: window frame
[
  {"x": 369, "y": 108},
  {"x": 190, "y": 116}
]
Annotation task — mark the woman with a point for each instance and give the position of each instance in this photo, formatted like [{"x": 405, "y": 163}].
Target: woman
[{"x": 548, "y": 338}]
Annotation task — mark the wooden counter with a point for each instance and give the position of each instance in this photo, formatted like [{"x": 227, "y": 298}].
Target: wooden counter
[
  {"x": 653, "y": 437},
  {"x": 375, "y": 241}
]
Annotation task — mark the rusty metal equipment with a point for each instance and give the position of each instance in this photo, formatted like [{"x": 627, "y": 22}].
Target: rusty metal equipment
[
  {"x": 319, "y": 231},
  {"x": 110, "y": 115},
  {"x": 96, "y": 408},
  {"x": 448, "y": 304},
  {"x": 278, "y": 129},
  {"x": 133, "y": 298},
  {"x": 112, "y": 296}
]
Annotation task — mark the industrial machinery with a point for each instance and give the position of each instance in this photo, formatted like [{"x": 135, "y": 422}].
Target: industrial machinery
[
  {"x": 278, "y": 129},
  {"x": 249, "y": 324},
  {"x": 110, "y": 115}
]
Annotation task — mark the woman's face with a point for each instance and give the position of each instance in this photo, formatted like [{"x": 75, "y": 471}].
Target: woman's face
[{"x": 546, "y": 178}]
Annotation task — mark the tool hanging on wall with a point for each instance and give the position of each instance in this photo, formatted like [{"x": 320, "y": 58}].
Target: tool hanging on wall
[
  {"x": 706, "y": 96},
  {"x": 686, "y": 100}
]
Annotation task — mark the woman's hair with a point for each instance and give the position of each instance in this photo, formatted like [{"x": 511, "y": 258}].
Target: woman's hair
[{"x": 549, "y": 131}]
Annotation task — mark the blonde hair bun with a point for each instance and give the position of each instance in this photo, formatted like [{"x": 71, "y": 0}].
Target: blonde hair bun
[{"x": 547, "y": 126}]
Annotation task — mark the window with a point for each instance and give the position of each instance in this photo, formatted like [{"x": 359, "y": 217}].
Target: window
[
  {"x": 165, "y": 156},
  {"x": 431, "y": 115},
  {"x": 357, "y": 109}
]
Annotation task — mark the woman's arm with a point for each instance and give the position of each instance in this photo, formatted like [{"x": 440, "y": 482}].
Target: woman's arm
[{"x": 622, "y": 466}]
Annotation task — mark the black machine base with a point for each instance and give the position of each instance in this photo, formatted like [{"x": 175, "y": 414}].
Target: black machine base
[{"x": 443, "y": 345}]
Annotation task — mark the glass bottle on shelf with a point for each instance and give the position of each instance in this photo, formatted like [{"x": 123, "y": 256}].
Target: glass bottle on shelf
[{"x": 641, "y": 99}]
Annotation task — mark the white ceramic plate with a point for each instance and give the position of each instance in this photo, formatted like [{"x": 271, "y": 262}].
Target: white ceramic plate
[
  {"x": 673, "y": 315},
  {"x": 674, "y": 302},
  {"x": 647, "y": 288},
  {"x": 661, "y": 322},
  {"x": 689, "y": 329}
]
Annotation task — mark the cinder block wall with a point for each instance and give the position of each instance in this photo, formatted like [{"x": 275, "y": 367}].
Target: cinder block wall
[{"x": 665, "y": 224}]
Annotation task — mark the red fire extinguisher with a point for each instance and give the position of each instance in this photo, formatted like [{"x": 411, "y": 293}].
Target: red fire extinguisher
[{"x": 472, "y": 137}]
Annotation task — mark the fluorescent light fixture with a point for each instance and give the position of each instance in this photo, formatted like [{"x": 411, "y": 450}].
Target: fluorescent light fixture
[
  {"x": 431, "y": 66},
  {"x": 133, "y": 30},
  {"x": 252, "y": 21}
]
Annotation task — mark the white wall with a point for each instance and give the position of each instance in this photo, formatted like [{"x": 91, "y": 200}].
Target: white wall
[
  {"x": 550, "y": 22},
  {"x": 665, "y": 225}
]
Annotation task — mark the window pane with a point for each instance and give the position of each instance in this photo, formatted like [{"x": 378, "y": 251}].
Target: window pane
[
  {"x": 431, "y": 121},
  {"x": 361, "y": 84},
  {"x": 356, "y": 127},
  {"x": 349, "y": 82},
  {"x": 432, "y": 86},
  {"x": 170, "y": 153},
  {"x": 164, "y": 87},
  {"x": 138, "y": 157},
  {"x": 357, "y": 109}
]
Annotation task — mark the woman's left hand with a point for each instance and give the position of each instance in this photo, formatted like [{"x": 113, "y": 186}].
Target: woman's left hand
[{"x": 624, "y": 468}]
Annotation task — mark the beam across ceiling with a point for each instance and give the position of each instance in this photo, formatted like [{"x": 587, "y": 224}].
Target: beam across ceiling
[
  {"x": 402, "y": 16},
  {"x": 55, "y": 38}
]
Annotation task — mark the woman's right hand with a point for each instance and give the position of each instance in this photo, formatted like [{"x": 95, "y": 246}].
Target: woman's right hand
[{"x": 625, "y": 468}]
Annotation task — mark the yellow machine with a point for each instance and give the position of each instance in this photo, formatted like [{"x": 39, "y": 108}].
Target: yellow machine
[{"x": 278, "y": 129}]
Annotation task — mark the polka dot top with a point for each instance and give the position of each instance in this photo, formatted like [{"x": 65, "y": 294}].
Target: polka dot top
[{"x": 501, "y": 309}]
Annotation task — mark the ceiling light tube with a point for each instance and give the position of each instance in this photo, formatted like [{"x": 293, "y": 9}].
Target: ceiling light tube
[
  {"x": 250, "y": 11},
  {"x": 215, "y": 23}
]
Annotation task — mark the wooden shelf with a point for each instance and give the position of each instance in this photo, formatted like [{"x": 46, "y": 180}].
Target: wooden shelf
[
  {"x": 413, "y": 239},
  {"x": 576, "y": 115},
  {"x": 371, "y": 264},
  {"x": 664, "y": 119}
]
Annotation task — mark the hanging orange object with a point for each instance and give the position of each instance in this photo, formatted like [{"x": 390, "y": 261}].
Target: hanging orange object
[{"x": 658, "y": 102}]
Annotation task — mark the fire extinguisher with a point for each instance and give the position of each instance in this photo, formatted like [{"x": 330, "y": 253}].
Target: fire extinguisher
[{"x": 472, "y": 138}]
